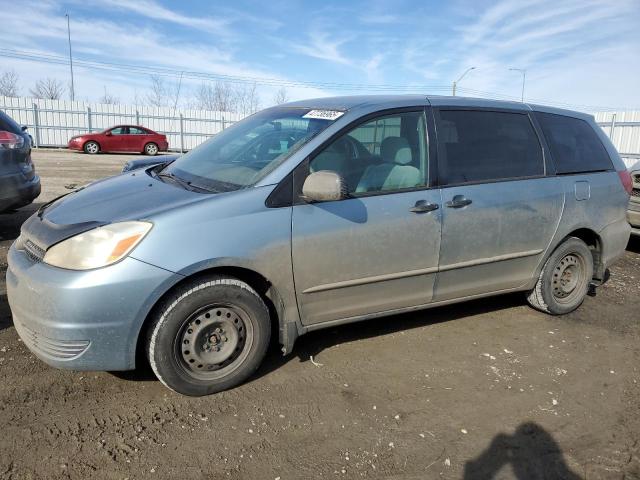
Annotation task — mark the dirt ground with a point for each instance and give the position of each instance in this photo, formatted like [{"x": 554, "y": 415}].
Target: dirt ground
[{"x": 487, "y": 389}]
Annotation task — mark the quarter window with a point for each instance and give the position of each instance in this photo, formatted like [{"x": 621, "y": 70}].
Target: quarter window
[
  {"x": 382, "y": 155},
  {"x": 574, "y": 145},
  {"x": 476, "y": 146}
]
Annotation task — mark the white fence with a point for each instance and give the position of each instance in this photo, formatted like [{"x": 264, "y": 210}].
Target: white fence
[
  {"x": 52, "y": 122},
  {"x": 623, "y": 129}
]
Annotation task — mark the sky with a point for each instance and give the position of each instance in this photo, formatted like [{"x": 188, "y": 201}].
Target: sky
[{"x": 582, "y": 53}]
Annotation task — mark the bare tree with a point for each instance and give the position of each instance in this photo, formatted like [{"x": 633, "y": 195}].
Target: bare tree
[
  {"x": 9, "y": 84},
  {"x": 219, "y": 97},
  {"x": 161, "y": 94},
  {"x": 247, "y": 101},
  {"x": 224, "y": 97},
  {"x": 281, "y": 96},
  {"x": 48, "y": 88},
  {"x": 108, "y": 98}
]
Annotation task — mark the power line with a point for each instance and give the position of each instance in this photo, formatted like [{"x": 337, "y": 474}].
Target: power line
[
  {"x": 145, "y": 70},
  {"x": 163, "y": 71}
]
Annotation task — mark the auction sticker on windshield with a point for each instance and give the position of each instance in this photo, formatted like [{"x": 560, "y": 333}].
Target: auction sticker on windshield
[{"x": 324, "y": 114}]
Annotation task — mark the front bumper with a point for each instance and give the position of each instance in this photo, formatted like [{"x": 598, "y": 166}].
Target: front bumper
[
  {"x": 75, "y": 145},
  {"x": 633, "y": 215},
  {"x": 86, "y": 320},
  {"x": 16, "y": 192}
]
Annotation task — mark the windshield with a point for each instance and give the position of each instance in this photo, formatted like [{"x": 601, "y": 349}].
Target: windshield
[{"x": 246, "y": 152}]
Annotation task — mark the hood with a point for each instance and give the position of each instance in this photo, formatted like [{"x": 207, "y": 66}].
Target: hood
[
  {"x": 132, "y": 196},
  {"x": 91, "y": 136}
]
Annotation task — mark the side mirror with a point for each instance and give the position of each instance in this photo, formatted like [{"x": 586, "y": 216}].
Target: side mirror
[
  {"x": 324, "y": 186},
  {"x": 24, "y": 128},
  {"x": 108, "y": 134}
]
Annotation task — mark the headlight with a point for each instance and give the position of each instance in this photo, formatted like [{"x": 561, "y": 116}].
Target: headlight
[{"x": 97, "y": 248}]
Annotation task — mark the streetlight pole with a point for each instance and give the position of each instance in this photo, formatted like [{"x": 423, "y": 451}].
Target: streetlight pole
[
  {"x": 455, "y": 84},
  {"x": 524, "y": 77},
  {"x": 73, "y": 94}
]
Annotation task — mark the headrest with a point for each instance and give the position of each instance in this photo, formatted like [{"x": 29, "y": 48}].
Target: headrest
[{"x": 396, "y": 150}]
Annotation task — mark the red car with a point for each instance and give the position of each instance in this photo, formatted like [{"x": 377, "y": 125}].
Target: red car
[{"x": 121, "y": 138}]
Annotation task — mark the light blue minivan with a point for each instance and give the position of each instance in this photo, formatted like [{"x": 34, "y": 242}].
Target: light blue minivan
[{"x": 313, "y": 214}]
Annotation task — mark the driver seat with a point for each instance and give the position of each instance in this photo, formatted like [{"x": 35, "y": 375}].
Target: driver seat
[{"x": 394, "y": 173}]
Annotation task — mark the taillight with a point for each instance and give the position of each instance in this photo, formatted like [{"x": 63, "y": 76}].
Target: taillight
[
  {"x": 625, "y": 178},
  {"x": 10, "y": 140}
]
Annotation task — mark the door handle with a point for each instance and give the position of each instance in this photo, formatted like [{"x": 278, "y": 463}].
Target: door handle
[
  {"x": 458, "y": 201},
  {"x": 422, "y": 206}
]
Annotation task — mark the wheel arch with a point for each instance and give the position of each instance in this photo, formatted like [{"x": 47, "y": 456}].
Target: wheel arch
[
  {"x": 594, "y": 242},
  {"x": 255, "y": 280},
  {"x": 91, "y": 140},
  {"x": 144, "y": 148}
]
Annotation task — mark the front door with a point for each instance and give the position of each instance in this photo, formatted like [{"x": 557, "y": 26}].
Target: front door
[
  {"x": 500, "y": 211},
  {"x": 376, "y": 251},
  {"x": 117, "y": 140}
]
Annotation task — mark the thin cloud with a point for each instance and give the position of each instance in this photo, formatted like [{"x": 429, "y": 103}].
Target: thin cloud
[
  {"x": 324, "y": 46},
  {"x": 155, "y": 11}
]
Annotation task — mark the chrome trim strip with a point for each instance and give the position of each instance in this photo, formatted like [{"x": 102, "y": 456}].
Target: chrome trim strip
[
  {"x": 374, "y": 279},
  {"x": 423, "y": 271},
  {"x": 482, "y": 261}
]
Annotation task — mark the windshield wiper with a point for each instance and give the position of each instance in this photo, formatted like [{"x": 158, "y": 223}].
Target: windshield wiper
[{"x": 184, "y": 183}]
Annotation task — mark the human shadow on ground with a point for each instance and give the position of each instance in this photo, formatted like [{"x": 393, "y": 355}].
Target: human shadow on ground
[{"x": 531, "y": 452}]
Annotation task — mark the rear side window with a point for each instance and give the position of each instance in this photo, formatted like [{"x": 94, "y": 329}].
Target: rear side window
[
  {"x": 574, "y": 145},
  {"x": 7, "y": 124},
  {"x": 476, "y": 146}
]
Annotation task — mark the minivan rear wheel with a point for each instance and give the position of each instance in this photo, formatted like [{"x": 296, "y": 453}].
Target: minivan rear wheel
[
  {"x": 564, "y": 280},
  {"x": 209, "y": 336}
]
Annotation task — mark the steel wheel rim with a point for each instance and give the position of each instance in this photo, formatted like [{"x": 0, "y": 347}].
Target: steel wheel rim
[
  {"x": 152, "y": 149},
  {"x": 92, "y": 147},
  {"x": 214, "y": 341},
  {"x": 568, "y": 278}
]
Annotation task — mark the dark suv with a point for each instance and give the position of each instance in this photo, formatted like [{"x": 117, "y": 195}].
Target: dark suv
[{"x": 19, "y": 184}]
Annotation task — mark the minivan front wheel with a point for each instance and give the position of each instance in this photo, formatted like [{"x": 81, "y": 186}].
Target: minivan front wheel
[
  {"x": 564, "y": 280},
  {"x": 209, "y": 336}
]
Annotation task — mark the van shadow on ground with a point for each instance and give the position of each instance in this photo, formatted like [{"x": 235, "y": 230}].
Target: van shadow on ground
[
  {"x": 531, "y": 452},
  {"x": 312, "y": 344}
]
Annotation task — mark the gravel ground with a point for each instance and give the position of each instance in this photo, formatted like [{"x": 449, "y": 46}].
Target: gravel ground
[{"x": 487, "y": 389}]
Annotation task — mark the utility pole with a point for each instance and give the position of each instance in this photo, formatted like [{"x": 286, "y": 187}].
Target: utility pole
[
  {"x": 73, "y": 94},
  {"x": 455, "y": 84},
  {"x": 524, "y": 76}
]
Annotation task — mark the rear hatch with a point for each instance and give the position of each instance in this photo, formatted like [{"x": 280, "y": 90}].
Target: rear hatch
[{"x": 16, "y": 166}]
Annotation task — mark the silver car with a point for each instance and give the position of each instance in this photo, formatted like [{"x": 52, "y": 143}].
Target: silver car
[
  {"x": 314, "y": 214},
  {"x": 634, "y": 202}
]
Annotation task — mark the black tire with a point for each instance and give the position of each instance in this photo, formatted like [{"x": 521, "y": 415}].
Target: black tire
[
  {"x": 224, "y": 319},
  {"x": 151, "y": 149},
  {"x": 91, "y": 147},
  {"x": 564, "y": 280}
]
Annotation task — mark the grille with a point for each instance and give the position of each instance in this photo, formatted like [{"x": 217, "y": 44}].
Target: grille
[
  {"x": 635, "y": 192},
  {"x": 48, "y": 347},
  {"x": 34, "y": 252}
]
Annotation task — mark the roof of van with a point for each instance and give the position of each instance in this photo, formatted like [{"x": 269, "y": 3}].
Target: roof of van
[{"x": 389, "y": 101}]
